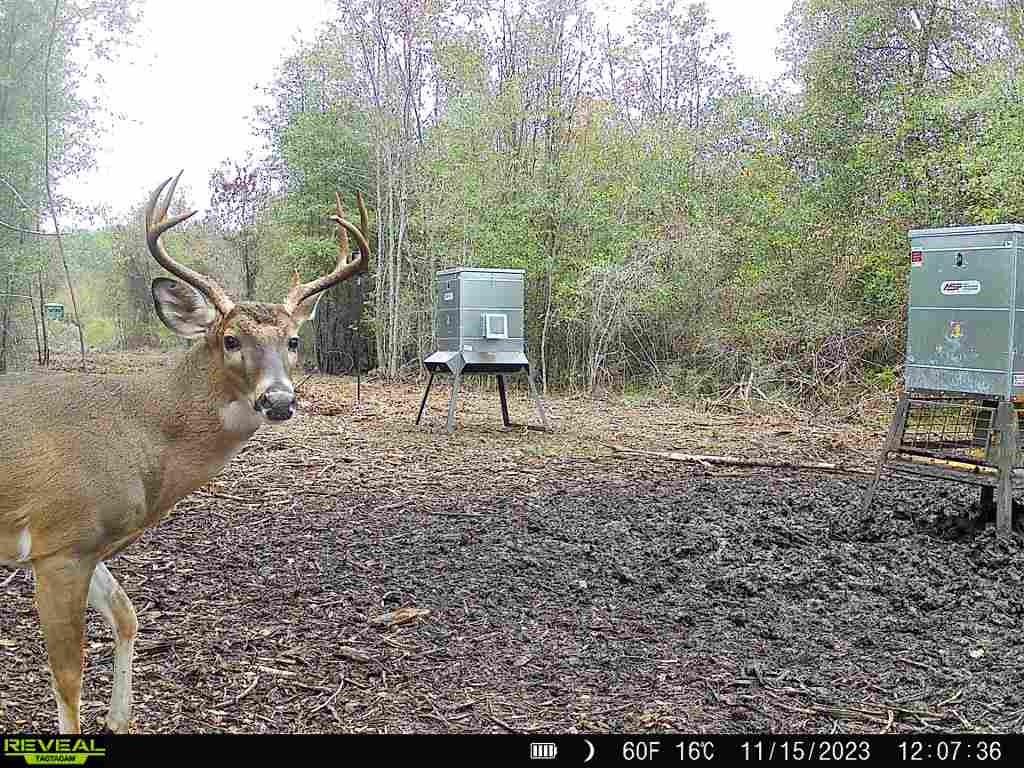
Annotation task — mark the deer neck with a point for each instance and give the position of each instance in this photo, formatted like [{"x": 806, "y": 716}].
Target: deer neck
[{"x": 204, "y": 417}]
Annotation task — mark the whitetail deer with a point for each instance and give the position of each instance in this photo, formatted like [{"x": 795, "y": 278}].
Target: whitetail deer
[{"x": 90, "y": 462}]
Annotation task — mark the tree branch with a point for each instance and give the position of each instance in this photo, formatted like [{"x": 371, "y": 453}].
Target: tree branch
[
  {"x": 23, "y": 231},
  {"x": 14, "y": 191}
]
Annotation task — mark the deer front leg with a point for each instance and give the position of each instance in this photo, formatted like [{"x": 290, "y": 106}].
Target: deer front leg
[
  {"x": 62, "y": 586},
  {"x": 107, "y": 597}
]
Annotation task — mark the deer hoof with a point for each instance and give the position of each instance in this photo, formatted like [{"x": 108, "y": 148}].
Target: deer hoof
[{"x": 116, "y": 725}]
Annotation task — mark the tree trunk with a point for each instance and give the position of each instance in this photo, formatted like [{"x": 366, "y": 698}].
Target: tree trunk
[
  {"x": 49, "y": 187},
  {"x": 42, "y": 317},
  {"x": 249, "y": 268},
  {"x": 35, "y": 324},
  {"x": 548, "y": 279},
  {"x": 4, "y": 332},
  {"x": 383, "y": 262},
  {"x": 339, "y": 341}
]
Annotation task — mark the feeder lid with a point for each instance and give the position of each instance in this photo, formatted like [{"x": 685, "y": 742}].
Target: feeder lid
[{"x": 969, "y": 230}]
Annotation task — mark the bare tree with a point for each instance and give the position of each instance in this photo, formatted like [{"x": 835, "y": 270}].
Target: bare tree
[
  {"x": 240, "y": 192},
  {"x": 49, "y": 184}
]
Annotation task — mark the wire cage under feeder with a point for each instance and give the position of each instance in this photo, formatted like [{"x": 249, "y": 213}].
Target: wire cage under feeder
[{"x": 964, "y": 439}]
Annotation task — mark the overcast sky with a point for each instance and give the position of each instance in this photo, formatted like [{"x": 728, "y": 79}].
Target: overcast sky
[{"x": 186, "y": 89}]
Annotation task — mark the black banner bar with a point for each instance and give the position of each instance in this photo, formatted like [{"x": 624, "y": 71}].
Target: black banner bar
[{"x": 492, "y": 750}]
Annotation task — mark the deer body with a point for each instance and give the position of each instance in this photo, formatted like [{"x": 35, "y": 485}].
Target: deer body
[
  {"x": 90, "y": 462},
  {"x": 76, "y": 443}
]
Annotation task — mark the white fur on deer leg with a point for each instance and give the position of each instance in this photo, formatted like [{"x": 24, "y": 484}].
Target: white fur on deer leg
[
  {"x": 238, "y": 416},
  {"x": 24, "y": 545},
  {"x": 66, "y": 720},
  {"x": 106, "y": 596}
]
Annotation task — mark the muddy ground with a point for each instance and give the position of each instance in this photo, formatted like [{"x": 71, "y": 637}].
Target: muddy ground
[{"x": 558, "y": 586}]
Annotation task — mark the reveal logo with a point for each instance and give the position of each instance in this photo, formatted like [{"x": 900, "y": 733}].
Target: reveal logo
[{"x": 62, "y": 751}]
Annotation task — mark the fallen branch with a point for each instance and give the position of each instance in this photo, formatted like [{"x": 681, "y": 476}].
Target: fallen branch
[
  {"x": 871, "y": 711},
  {"x": 740, "y": 462},
  {"x": 276, "y": 672},
  {"x": 242, "y": 695},
  {"x": 329, "y": 699},
  {"x": 959, "y": 466},
  {"x": 9, "y": 579},
  {"x": 354, "y": 655},
  {"x": 503, "y": 724},
  {"x": 400, "y": 616},
  {"x": 229, "y": 497}
]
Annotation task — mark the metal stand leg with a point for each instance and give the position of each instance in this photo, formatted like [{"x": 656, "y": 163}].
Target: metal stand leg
[
  {"x": 536, "y": 397},
  {"x": 504, "y": 400},
  {"x": 1006, "y": 420},
  {"x": 451, "y": 405},
  {"x": 892, "y": 442},
  {"x": 988, "y": 501},
  {"x": 423, "y": 404},
  {"x": 359, "y": 372}
]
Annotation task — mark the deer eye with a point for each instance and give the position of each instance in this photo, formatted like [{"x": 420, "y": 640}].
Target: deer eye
[
  {"x": 293, "y": 343},
  {"x": 231, "y": 343}
]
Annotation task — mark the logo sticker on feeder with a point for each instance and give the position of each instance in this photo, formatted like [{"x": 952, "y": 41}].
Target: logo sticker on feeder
[
  {"x": 957, "y": 345},
  {"x": 916, "y": 259},
  {"x": 1018, "y": 379},
  {"x": 961, "y": 287}
]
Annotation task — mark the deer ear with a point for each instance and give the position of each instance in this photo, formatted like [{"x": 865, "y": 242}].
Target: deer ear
[
  {"x": 182, "y": 308},
  {"x": 307, "y": 308}
]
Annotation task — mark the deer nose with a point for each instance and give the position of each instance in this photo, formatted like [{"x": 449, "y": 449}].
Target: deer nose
[{"x": 278, "y": 403}]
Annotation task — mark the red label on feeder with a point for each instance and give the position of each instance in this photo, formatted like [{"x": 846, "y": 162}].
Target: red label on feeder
[{"x": 916, "y": 258}]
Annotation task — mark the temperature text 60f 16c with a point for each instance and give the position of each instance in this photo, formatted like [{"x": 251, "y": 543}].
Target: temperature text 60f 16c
[{"x": 652, "y": 750}]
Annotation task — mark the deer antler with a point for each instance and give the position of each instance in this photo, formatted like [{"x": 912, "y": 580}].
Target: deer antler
[
  {"x": 156, "y": 224},
  {"x": 344, "y": 268}
]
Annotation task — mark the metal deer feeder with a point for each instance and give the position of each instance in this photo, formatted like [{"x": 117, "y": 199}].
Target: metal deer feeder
[
  {"x": 957, "y": 418},
  {"x": 479, "y": 325}
]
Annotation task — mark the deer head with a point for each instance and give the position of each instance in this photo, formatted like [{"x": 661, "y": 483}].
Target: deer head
[{"x": 254, "y": 346}]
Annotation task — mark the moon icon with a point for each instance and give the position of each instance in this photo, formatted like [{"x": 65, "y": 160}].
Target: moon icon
[{"x": 591, "y": 748}]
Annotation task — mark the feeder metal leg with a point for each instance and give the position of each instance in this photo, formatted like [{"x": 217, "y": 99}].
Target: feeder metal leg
[
  {"x": 451, "y": 404},
  {"x": 504, "y": 400},
  {"x": 1006, "y": 418},
  {"x": 892, "y": 443},
  {"x": 987, "y": 499},
  {"x": 536, "y": 397},
  {"x": 423, "y": 403}
]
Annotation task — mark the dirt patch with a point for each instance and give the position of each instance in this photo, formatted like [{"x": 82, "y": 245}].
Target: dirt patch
[{"x": 354, "y": 572}]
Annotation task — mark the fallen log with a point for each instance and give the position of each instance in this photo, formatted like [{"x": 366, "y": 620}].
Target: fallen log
[{"x": 737, "y": 461}]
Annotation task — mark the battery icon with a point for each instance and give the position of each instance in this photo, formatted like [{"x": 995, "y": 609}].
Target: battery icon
[{"x": 543, "y": 750}]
